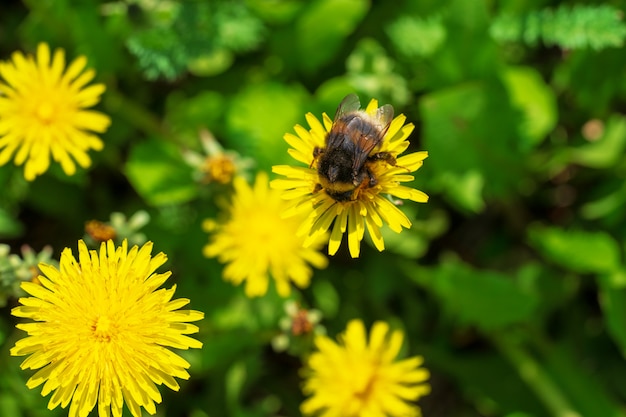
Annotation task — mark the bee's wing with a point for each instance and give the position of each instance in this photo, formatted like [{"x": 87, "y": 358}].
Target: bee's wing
[
  {"x": 384, "y": 116},
  {"x": 349, "y": 104},
  {"x": 340, "y": 132},
  {"x": 366, "y": 137}
]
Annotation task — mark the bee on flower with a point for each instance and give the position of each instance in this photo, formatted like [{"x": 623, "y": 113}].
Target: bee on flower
[{"x": 352, "y": 164}]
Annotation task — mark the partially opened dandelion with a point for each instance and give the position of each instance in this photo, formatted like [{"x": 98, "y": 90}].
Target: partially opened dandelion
[
  {"x": 43, "y": 112},
  {"x": 352, "y": 163},
  {"x": 357, "y": 378},
  {"x": 102, "y": 329},
  {"x": 257, "y": 244}
]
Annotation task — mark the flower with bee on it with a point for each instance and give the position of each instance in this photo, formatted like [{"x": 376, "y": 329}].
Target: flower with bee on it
[{"x": 352, "y": 162}]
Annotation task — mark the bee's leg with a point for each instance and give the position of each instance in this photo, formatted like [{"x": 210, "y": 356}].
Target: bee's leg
[
  {"x": 316, "y": 152},
  {"x": 372, "y": 181},
  {"x": 383, "y": 156},
  {"x": 387, "y": 157}
]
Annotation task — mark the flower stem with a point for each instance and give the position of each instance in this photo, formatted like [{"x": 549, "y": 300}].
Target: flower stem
[
  {"x": 535, "y": 377},
  {"x": 133, "y": 113}
]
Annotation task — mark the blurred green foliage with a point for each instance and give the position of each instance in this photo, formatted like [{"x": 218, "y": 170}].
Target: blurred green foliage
[{"x": 512, "y": 281}]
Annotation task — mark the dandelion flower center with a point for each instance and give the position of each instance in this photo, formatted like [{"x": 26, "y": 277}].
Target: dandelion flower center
[
  {"x": 103, "y": 329},
  {"x": 45, "y": 112}
]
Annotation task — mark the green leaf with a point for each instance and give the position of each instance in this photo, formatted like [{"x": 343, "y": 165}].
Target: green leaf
[
  {"x": 10, "y": 227},
  {"x": 159, "y": 52},
  {"x": 415, "y": 37},
  {"x": 576, "y": 250},
  {"x": 189, "y": 114},
  {"x": 236, "y": 377},
  {"x": 472, "y": 127},
  {"x": 326, "y": 298},
  {"x": 479, "y": 374},
  {"x": 323, "y": 27},
  {"x": 200, "y": 35},
  {"x": 578, "y": 27},
  {"x": 371, "y": 71},
  {"x": 10, "y": 405},
  {"x": 465, "y": 190},
  {"x": 486, "y": 299},
  {"x": 158, "y": 173},
  {"x": 211, "y": 63},
  {"x": 535, "y": 99},
  {"x": 275, "y": 11},
  {"x": 258, "y": 118},
  {"x": 613, "y": 302},
  {"x": 607, "y": 205},
  {"x": 608, "y": 150}
]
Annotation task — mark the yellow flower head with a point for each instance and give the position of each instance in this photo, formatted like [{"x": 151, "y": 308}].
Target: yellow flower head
[
  {"x": 365, "y": 206},
  {"x": 257, "y": 242},
  {"x": 43, "y": 112},
  {"x": 355, "y": 379},
  {"x": 102, "y": 329}
]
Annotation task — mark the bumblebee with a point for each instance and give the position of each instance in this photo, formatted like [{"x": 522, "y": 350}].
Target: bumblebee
[{"x": 343, "y": 164}]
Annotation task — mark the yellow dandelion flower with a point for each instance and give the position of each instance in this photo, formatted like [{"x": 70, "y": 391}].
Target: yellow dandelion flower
[
  {"x": 101, "y": 331},
  {"x": 256, "y": 242},
  {"x": 43, "y": 112},
  {"x": 355, "y": 379},
  {"x": 347, "y": 192}
]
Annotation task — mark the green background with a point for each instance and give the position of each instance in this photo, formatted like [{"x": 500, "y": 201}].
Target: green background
[{"x": 511, "y": 282}]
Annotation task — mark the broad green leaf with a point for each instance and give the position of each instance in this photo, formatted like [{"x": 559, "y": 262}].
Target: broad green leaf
[
  {"x": 465, "y": 190},
  {"x": 472, "y": 128},
  {"x": 323, "y": 27},
  {"x": 482, "y": 298},
  {"x": 158, "y": 173},
  {"x": 535, "y": 99},
  {"x": 211, "y": 63},
  {"x": 417, "y": 37},
  {"x": 275, "y": 11},
  {"x": 258, "y": 118},
  {"x": 190, "y": 114},
  {"x": 576, "y": 250}
]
